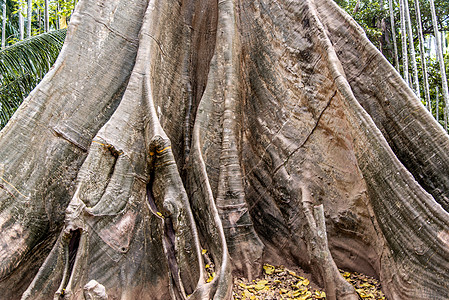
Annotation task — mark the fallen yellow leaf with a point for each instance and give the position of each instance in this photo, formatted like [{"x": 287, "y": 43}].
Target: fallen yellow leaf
[
  {"x": 246, "y": 294},
  {"x": 269, "y": 269},
  {"x": 320, "y": 295},
  {"x": 211, "y": 277},
  {"x": 306, "y": 296}
]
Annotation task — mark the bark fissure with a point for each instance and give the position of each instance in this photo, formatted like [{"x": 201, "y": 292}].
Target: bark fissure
[
  {"x": 133, "y": 42},
  {"x": 71, "y": 246},
  {"x": 70, "y": 140},
  {"x": 308, "y": 135}
]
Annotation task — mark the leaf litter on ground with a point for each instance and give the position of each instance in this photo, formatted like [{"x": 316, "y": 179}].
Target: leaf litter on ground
[{"x": 279, "y": 282}]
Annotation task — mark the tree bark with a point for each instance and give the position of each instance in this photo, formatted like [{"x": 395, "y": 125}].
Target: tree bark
[{"x": 168, "y": 128}]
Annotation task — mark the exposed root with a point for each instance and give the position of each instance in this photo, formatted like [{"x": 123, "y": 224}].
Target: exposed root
[
  {"x": 71, "y": 246},
  {"x": 317, "y": 244}
]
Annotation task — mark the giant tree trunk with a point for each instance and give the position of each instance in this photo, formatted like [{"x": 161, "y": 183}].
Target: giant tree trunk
[{"x": 167, "y": 128}]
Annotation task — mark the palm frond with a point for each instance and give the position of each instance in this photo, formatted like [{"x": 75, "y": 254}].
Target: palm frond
[{"x": 22, "y": 67}]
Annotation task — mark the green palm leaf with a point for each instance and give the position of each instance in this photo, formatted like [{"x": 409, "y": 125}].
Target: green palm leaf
[{"x": 22, "y": 67}]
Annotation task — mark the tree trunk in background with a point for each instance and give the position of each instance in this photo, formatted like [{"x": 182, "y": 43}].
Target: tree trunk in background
[
  {"x": 39, "y": 19},
  {"x": 443, "y": 42},
  {"x": 46, "y": 16},
  {"x": 405, "y": 74},
  {"x": 423, "y": 56},
  {"x": 356, "y": 8},
  {"x": 437, "y": 93},
  {"x": 29, "y": 17},
  {"x": 412, "y": 49},
  {"x": 21, "y": 22},
  {"x": 240, "y": 127},
  {"x": 445, "y": 118},
  {"x": 393, "y": 32},
  {"x": 438, "y": 48},
  {"x": 4, "y": 24},
  {"x": 57, "y": 16}
]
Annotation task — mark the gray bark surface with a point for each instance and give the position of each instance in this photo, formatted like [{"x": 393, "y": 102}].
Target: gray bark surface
[{"x": 263, "y": 132}]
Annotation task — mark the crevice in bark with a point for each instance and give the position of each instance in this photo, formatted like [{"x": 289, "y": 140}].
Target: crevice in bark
[
  {"x": 201, "y": 17},
  {"x": 170, "y": 248},
  {"x": 169, "y": 242},
  {"x": 150, "y": 196},
  {"x": 60, "y": 134},
  {"x": 317, "y": 122},
  {"x": 73, "y": 248},
  {"x": 70, "y": 255},
  {"x": 188, "y": 123}
]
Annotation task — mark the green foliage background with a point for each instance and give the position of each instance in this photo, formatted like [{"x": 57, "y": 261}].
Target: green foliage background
[
  {"x": 23, "y": 64},
  {"x": 374, "y": 17}
]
